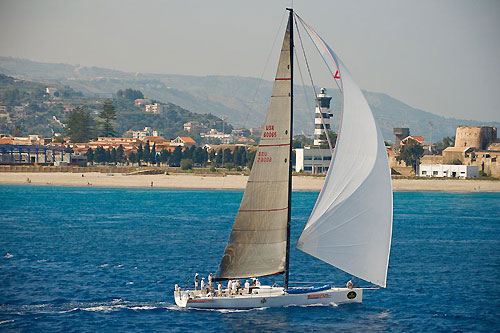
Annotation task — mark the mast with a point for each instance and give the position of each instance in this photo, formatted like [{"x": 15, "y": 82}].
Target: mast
[{"x": 287, "y": 257}]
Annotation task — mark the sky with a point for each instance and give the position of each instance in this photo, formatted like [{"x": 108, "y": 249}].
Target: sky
[{"x": 441, "y": 56}]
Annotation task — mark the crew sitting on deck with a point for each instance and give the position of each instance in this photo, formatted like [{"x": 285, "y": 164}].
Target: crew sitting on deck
[
  {"x": 229, "y": 287},
  {"x": 219, "y": 289},
  {"x": 349, "y": 284},
  {"x": 257, "y": 283}
]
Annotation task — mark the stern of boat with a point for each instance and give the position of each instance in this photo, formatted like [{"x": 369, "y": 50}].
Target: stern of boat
[{"x": 181, "y": 298}]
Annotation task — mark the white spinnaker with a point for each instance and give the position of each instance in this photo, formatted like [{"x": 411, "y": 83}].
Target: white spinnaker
[{"x": 350, "y": 226}]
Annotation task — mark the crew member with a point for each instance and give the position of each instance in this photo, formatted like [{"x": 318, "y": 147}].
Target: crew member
[
  {"x": 219, "y": 289},
  {"x": 196, "y": 280},
  {"x": 247, "y": 286},
  {"x": 210, "y": 280}
]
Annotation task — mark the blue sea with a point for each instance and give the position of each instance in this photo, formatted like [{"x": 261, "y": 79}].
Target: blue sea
[{"x": 96, "y": 259}]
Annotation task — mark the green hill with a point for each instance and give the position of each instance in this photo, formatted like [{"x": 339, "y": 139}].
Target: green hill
[{"x": 242, "y": 100}]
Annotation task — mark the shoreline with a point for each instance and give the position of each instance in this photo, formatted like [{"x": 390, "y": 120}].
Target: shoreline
[{"x": 229, "y": 182}]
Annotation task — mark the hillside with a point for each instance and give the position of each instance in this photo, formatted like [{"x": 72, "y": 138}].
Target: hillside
[
  {"x": 242, "y": 100},
  {"x": 31, "y": 110}
]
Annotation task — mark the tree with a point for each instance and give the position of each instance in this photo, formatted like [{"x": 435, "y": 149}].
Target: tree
[
  {"x": 146, "y": 155},
  {"x": 211, "y": 156},
  {"x": 164, "y": 155},
  {"x": 175, "y": 158},
  {"x": 107, "y": 155},
  {"x": 120, "y": 154},
  {"x": 79, "y": 125},
  {"x": 140, "y": 153},
  {"x": 410, "y": 153},
  {"x": 100, "y": 155},
  {"x": 324, "y": 142},
  {"x": 445, "y": 143},
  {"x": 132, "y": 157},
  {"x": 107, "y": 114},
  {"x": 152, "y": 157},
  {"x": 129, "y": 94},
  {"x": 113, "y": 156},
  {"x": 90, "y": 155},
  {"x": 186, "y": 164},
  {"x": 251, "y": 158},
  {"x": 200, "y": 156},
  {"x": 228, "y": 156}
]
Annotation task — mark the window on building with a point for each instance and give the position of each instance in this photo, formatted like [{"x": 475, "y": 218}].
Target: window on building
[
  {"x": 327, "y": 158},
  {"x": 434, "y": 173},
  {"x": 307, "y": 168},
  {"x": 424, "y": 173},
  {"x": 308, "y": 158}
]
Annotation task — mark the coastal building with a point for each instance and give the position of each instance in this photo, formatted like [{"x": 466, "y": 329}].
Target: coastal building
[
  {"x": 155, "y": 139},
  {"x": 256, "y": 131},
  {"x": 312, "y": 160},
  {"x": 182, "y": 141},
  {"x": 477, "y": 137},
  {"x": 448, "y": 170},
  {"x": 215, "y": 134},
  {"x": 141, "y": 102},
  {"x": 194, "y": 127},
  {"x": 400, "y": 133},
  {"x": 321, "y": 115},
  {"x": 156, "y": 108},
  {"x": 315, "y": 159},
  {"x": 52, "y": 92},
  {"x": 147, "y": 131}
]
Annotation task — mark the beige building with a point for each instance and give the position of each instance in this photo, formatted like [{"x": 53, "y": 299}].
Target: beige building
[{"x": 477, "y": 137}]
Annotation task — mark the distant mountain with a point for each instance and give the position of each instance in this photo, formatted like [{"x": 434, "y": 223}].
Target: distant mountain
[{"x": 242, "y": 100}]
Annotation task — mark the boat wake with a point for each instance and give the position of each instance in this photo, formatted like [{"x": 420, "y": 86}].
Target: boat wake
[{"x": 103, "y": 307}]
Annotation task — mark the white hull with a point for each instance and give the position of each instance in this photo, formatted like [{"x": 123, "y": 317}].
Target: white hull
[{"x": 268, "y": 297}]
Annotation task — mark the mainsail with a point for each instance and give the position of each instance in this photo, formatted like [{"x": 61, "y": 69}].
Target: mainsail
[
  {"x": 350, "y": 226},
  {"x": 258, "y": 242}
]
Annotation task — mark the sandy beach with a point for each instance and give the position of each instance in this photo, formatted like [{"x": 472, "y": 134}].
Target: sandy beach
[{"x": 191, "y": 181}]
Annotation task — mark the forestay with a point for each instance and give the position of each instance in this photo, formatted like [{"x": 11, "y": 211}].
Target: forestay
[
  {"x": 350, "y": 226},
  {"x": 257, "y": 245}
]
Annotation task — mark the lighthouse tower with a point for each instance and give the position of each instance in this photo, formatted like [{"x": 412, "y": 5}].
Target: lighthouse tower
[{"x": 322, "y": 109}]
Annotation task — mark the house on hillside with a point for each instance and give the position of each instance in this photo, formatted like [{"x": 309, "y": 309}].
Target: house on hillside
[
  {"x": 182, "y": 141},
  {"x": 140, "y": 102}
]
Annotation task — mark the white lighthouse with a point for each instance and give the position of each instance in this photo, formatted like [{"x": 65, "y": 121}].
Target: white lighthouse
[{"x": 322, "y": 111}]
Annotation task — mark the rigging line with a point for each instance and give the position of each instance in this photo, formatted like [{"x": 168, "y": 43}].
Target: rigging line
[
  {"x": 317, "y": 49},
  {"x": 303, "y": 84},
  {"x": 314, "y": 89},
  {"x": 252, "y": 101}
]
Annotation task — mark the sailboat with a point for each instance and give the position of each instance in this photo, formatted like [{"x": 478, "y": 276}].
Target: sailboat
[{"x": 350, "y": 226}]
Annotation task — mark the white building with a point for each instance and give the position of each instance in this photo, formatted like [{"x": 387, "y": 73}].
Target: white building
[
  {"x": 147, "y": 131},
  {"x": 448, "y": 170},
  {"x": 312, "y": 160},
  {"x": 322, "y": 115},
  {"x": 215, "y": 134},
  {"x": 156, "y": 108}
]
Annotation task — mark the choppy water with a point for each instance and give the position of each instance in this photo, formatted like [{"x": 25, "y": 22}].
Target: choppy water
[{"x": 87, "y": 259}]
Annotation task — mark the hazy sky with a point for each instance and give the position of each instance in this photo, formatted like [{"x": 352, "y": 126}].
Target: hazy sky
[{"x": 441, "y": 56}]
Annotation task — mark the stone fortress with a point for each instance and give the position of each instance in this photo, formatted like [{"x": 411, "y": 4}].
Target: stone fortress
[
  {"x": 474, "y": 145},
  {"x": 476, "y": 137}
]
